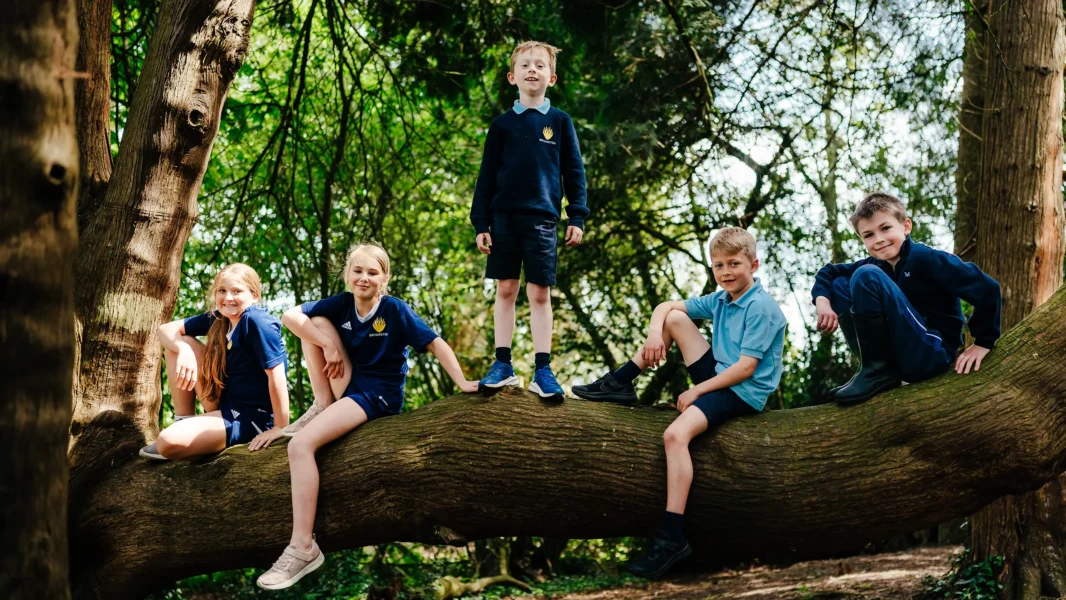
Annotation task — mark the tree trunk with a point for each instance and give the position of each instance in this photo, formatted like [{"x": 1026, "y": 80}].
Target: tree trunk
[
  {"x": 971, "y": 115},
  {"x": 1019, "y": 242},
  {"x": 38, "y": 238},
  {"x": 132, "y": 244},
  {"x": 93, "y": 105},
  {"x": 782, "y": 485}
]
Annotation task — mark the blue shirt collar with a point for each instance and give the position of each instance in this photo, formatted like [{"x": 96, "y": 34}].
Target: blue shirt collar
[
  {"x": 542, "y": 109},
  {"x": 744, "y": 300}
]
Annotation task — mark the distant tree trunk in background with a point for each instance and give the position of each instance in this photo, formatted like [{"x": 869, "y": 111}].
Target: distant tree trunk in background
[
  {"x": 1019, "y": 241},
  {"x": 133, "y": 240},
  {"x": 971, "y": 115},
  {"x": 38, "y": 239}
]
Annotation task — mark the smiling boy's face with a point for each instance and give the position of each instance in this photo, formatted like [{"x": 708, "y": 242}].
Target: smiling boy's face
[
  {"x": 883, "y": 234},
  {"x": 532, "y": 72},
  {"x": 734, "y": 272}
]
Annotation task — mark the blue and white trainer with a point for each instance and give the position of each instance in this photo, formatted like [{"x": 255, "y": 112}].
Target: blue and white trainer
[
  {"x": 545, "y": 385},
  {"x": 499, "y": 375}
]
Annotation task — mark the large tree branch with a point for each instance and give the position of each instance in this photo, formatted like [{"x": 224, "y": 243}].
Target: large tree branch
[{"x": 780, "y": 485}]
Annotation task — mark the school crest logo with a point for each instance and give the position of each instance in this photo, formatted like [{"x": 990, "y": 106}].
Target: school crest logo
[
  {"x": 379, "y": 324},
  {"x": 548, "y": 133}
]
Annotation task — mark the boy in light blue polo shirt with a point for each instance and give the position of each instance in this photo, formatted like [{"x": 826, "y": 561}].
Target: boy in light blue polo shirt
[{"x": 733, "y": 375}]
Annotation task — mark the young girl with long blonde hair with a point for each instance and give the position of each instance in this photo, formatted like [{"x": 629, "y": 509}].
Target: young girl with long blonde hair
[
  {"x": 238, "y": 375},
  {"x": 356, "y": 347}
]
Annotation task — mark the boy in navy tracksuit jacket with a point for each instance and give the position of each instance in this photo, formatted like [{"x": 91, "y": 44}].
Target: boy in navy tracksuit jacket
[
  {"x": 899, "y": 308},
  {"x": 531, "y": 156}
]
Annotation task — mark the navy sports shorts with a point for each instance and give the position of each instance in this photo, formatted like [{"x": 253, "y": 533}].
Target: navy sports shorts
[
  {"x": 243, "y": 423},
  {"x": 523, "y": 239},
  {"x": 376, "y": 397},
  {"x": 718, "y": 406}
]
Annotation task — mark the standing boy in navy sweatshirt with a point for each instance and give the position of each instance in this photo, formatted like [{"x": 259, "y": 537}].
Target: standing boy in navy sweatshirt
[
  {"x": 899, "y": 308},
  {"x": 531, "y": 157}
]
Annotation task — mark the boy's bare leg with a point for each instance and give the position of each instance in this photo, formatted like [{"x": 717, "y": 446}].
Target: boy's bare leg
[
  {"x": 683, "y": 430},
  {"x": 184, "y": 401},
  {"x": 503, "y": 311},
  {"x": 681, "y": 330},
  {"x": 540, "y": 316},
  {"x": 324, "y": 389}
]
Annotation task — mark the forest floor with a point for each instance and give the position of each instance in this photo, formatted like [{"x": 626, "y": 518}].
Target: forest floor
[{"x": 890, "y": 576}]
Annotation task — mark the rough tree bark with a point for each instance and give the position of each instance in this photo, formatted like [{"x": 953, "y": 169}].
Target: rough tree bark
[
  {"x": 38, "y": 237},
  {"x": 971, "y": 114},
  {"x": 1019, "y": 241},
  {"x": 132, "y": 243},
  {"x": 780, "y": 485}
]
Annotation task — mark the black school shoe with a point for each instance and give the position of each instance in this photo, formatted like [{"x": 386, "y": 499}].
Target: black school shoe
[
  {"x": 658, "y": 559},
  {"x": 877, "y": 371},
  {"x": 607, "y": 389}
]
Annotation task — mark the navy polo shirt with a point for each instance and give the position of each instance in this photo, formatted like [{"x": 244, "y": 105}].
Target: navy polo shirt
[
  {"x": 254, "y": 347},
  {"x": 377, "y": 344},
  {"x": 752, "y": 325}
]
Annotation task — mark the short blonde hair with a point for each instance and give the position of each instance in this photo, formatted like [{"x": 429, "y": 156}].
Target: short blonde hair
[
  {"x": 375, "y": 251},
  {"x": 733, "y": 240},
  {"x": 531, "y": 45},
  {"x": 877, "y": 202}
]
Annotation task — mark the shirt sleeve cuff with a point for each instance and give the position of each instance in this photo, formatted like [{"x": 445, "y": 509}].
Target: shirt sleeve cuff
[
  {"x": 985, "y": 342},
  {"x": 481, "y": 228},
  {"x": 756, "y": 354},
  {"x": 578, "y": 222},
  {"x": 273, "y": 362}
]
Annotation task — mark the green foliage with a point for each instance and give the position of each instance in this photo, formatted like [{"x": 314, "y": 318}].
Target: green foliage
[{"x": 967, "y": 580}]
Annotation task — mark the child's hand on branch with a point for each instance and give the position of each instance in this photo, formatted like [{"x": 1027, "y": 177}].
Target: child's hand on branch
[
  {"x": 827, "y": 318},
  {"x": 468, "y": 387},
  {"x": 686, "y": 399},
  {"x": 972, "y": 357}
]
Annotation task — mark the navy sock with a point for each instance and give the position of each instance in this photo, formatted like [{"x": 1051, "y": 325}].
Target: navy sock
[
  {"x": 673, "y": 526},
  {"x": 627, "y": 373},
  {"x": 542, "y": 359},
  {"x": 503, "y": 355}
]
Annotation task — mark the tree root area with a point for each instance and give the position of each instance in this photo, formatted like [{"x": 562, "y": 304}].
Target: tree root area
[{"x": 890, "y": 576}]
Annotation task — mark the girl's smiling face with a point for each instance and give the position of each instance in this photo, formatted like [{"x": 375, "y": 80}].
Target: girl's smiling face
[
  {"x": 365, "y": 276},
  {"x": 233, "y": 296}
]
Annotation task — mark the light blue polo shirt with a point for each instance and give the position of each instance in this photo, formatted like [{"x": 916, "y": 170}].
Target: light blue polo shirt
[{"x": 753, "y": 325}]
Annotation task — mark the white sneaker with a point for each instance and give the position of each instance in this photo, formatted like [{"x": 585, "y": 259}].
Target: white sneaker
[
  {"x": 150, "y": 451},
  {"x": 291, "y": 566},
  {"x": 291, "y": 429}
]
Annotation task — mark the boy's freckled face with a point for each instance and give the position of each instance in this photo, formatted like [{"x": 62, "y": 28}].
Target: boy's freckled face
[
  {"x": 734, "y": 272},
  {"x": 883, "y": 234},
  {"x": 532, "y": 72}
]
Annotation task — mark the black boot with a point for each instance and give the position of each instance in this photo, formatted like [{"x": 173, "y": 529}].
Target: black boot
[
  {"x": 847, "y": 327},
  {"x": 877, "y": 369}
]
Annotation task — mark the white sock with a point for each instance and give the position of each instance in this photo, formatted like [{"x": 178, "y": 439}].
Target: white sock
[{"x": 180, "y": 417}]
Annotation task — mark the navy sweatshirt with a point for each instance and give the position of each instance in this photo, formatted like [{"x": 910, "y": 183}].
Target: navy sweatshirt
[
  {"x": 529, "y": 159},
  {"x": 934, "y": 281}
]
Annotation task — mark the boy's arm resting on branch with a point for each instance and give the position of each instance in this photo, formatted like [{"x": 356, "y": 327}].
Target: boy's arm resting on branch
[
  {"x": 969, "y": 282},
  {"x": 654, "y": 350},
  {"x": 300, "y": 324},
  {"x": 446, "y": 356},
  {"x": 743, "y": 369},
  {"x": 279, "y": 403}
]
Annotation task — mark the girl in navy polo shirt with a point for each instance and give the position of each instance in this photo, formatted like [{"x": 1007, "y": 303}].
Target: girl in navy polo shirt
[
  {"x": 239, "y": 374},
  {"x": 355, "y": 344}
]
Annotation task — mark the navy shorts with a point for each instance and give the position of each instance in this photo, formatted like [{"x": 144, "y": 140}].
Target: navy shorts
[
  {"x": 243, "y": 424},
  {"x": 718, "y": 406},
  {"x": 375, "y": 397},
  {"x": 523, "y": 239}
]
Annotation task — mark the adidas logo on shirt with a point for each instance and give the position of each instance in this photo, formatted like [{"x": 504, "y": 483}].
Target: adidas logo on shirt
[
  {"x": 347, "y": 325},
  {"x": 235, "y": 413}
]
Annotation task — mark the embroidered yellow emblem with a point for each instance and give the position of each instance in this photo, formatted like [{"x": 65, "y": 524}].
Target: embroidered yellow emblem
[
  {"x": 379, "y": 324},
  {"x": 548, "y": 133}
]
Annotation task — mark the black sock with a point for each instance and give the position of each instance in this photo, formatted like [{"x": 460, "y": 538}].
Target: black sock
[
  {"x": 503, "y": 355},
  {"x": 673, "y": 526},
  {"x": 627, "y": 373},
  {"x": 542, "y": 359}
]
